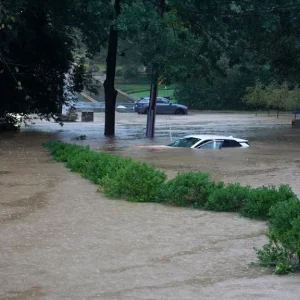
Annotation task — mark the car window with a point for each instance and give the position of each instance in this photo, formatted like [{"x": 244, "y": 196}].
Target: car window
[
  {"x": 144, "y": 101},
  {"x": 185, "y": 142},
  {"x": 235, "y": 144},
  {"x": 202, "y": 142},
  {"x": 231, "y": 144},
  {"x": 212, "y": 145},
  {"x": 227, "y": 144},
  {"x": 165, "y": 101}
]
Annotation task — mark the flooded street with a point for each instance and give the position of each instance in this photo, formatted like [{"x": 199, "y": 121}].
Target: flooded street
[{"x": 60, "y": 239}]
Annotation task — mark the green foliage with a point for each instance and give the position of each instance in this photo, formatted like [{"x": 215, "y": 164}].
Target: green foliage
[
  {"x": 284, "y": 268},
  {"x": 293, "y": 101},
  {"x": 283, "y": 251},
  {"x": 130, "y": 71},
  {"x": 37, "y": 40},
  {"x": 282, "y": 215},
  {"x": 231, "y": 197},
  {"x": 284, "y": 225},
  {"x": 257, "y": 96},
  {"x": 224, "y": 92},
  {"x": 271, "y": 255},
  {"x": 187, "y": 189},
  {"x": 260, "y": 200},
  {"x": 136, "y": 181},
  {"x": 9, "y": 123}
]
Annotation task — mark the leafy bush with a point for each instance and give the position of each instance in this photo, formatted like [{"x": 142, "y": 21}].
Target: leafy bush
[
  {"x": 284, "y": 227},
  {"x": 187, "y": 189},
  {"x": 284, "y": 230},
  {"x": 281, "y": 217},
  {"x": 271, "y": 255},
  {"x": 135, "y": 181},
  {"x": 284, "y": 268},
  {"x": 260, "y": 200},
  {"x": 229, "y": 198}
]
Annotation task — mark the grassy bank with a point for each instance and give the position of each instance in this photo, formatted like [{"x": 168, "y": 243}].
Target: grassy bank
[{"x": 126, "y": 179}]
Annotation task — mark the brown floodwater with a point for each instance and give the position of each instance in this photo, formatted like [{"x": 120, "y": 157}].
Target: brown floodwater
[
  {"x": 272, "y": 159},
  {"x": 60, "y": 239}
]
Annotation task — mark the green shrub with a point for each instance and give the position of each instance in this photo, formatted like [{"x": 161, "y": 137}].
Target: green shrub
[
  {"x": 284, "y": 268},
  {"x": 187, "y": 189},
  {"x": 229, "y": 198},
  {"x": 281, "y": 217},
  {"x": 284, "y": 233},
  {"x": 136, "y": 181},
  {"x": 271, "y": 255},
  {"x": 63, "y": 152},
  {"x": 260, "y": 200}
]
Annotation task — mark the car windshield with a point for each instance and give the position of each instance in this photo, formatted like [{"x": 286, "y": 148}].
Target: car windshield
[{"x": 185, "y": 142}]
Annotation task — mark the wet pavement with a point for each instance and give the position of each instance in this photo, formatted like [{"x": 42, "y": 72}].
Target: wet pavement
[{"x": 60, "y": 239}]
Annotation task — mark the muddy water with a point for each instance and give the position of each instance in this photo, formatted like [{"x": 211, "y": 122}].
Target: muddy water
[
  {"x": 61, "y": 240},
  {"x": 272, "y": 159}
]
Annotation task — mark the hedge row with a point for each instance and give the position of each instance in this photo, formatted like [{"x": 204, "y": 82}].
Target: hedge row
[{"x": 124, "y": 178}]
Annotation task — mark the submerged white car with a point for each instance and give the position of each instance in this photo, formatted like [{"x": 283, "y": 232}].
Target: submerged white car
[{"x": 210, "y": 142}]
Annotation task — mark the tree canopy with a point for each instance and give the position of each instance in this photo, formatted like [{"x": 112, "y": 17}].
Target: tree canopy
[
  {"x": 212, "y": 49},
  {"x": 38, "y": 40}
]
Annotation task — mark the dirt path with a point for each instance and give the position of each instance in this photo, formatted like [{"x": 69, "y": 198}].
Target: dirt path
[{"x": 60, "y": 239}]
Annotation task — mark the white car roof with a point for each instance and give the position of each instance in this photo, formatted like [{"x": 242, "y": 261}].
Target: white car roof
[{"x": 215, "y": 137}]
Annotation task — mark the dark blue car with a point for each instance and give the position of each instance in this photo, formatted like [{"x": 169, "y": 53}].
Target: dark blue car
[{"x": 163, "y": 106}]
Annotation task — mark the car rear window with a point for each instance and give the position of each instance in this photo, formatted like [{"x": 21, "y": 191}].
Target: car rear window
[{"x": 143, "y": 101}]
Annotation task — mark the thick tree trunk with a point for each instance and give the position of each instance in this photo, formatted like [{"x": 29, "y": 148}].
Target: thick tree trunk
[
  {"x": 109, "y": 83},
  {"x": 154, "y": 87},
  {"x": 152, "y": 111}
]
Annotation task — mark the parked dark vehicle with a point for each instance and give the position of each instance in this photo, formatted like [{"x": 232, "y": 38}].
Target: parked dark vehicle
[{"x": 163, "y": 106}]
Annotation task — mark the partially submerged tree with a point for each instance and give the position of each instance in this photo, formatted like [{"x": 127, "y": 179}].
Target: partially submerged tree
[
  {"x": 109, "y": 83},
  {"x": 278, "y": 97},
  {"x": 257, "y": 96},
  {"x": 293, "y": 101}
]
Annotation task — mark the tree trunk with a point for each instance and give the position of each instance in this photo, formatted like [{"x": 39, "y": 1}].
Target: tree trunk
[
  {"x": 277, "y": 113},
  {"x": 109, "y": 83},
  {"x": 152, "y": 111},
  {"x": 150, "y": 129}
]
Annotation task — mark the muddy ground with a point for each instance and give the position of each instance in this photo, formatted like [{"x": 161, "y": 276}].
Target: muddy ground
[{"x": 60, "y": 239}]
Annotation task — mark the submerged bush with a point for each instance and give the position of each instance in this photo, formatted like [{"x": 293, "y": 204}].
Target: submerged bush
[
  {"x": 230, "y": 198},
  {"x": 277, "y": 257},
  {"x": 284, "y": 225},
  {"x": 136, "y": 181},
  {"x": 282, "y": 215},
  {"x": 260, "y": 200},
  {"x": 187, "y": 189}
]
